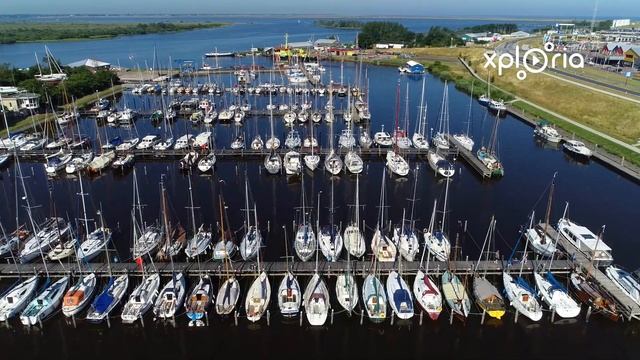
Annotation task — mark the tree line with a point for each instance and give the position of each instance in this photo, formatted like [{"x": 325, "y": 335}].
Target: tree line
[{"x": 391, "y": 32}]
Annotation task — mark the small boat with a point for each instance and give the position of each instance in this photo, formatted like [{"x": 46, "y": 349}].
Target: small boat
[
  {"x": 289, "y": 299},
  {"x": 127, "y": 145},
  {"x": 316, "y": 301},
  {"x": 546, "y": 132},
  {"x": 51, "y": 233},
  {"x": 148, "y": 142},
  {"x": 488, "y": 155},
  {"x": 93, "y": 244},
  {"x": 252, "y": 239},
  {"x": 353, "y": 162},
  {"x": 62, "y": 250},
  {"x": 522, "y": 297},
  {"x": 228, "y": 296},
  {"x": 141, "y": 299},
  {"x": 374, "y": 298},
  {"x": 79, "y": 295},
  {"x": 100, "y": 162},
  {"x": 365, "y": 139},
  {"x": 400, "y": 296},
  {"x": 123, "y": 162},
  {"x": 589, "y": 293},
  {"x": 486, "y": 294},
  {"x": 497, "y": 105},
  {"x": 257, "y": 143},
  {"x": 206, "y": 163},
  {"x": 183, "y": 142},
  {"x": 273, "y": 143},
  {"x": 293, "y": 139},
  {"x": 257, "y": 300},
  {"x": 382, "y": 138},
  {"x": 590, "y": 244},
  {"x": 556, "y": 296},
  {"x": 238, "y": 142},
  {"x": 397, "y": 164},
  {"x": 148, "y": 242},
  {"x": 440, "y": 165},
  {"x": 427, "y": 294},
  {"x": 625, "y": 281},
  {"x": 347, "y": 291},
  {"x": 108, "y": 299},
  {"x": 273, "y": 163},
  {"x": 15, "y": 299},
  {"x": 199, "y": 300},
  {"x": 171, "y": 297},
  {"x": 539, "y": 239},
  {"x": 56, "y": 162},
  {"x": 455, "y": 295},
  {"x": 198, "y": 243},
  {"x": 79, "y": 163},
  {"x": 292, "y": 163},
  {"x": 189, "y": 160},
  {"x": 577, "y": 148},
  {"x": 353, "y": 237},
  {"x": 43, "y": 305}
]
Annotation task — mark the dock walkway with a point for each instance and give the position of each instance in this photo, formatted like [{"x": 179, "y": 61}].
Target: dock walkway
[{"x": 470, "y": 158}]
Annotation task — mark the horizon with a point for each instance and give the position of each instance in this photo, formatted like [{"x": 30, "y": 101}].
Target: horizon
[{"x": 351, "y": 9}]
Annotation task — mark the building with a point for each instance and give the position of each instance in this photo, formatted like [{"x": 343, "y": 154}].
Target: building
[
  {"x": 620, "y": 23},
  {"x": 620, "y": 35},
  {"x": 481, "y": 37},
  {"x": 519, "y": 34},
  {"x": 91, "y": 64},
  {"x": 321, "y": 44},
  {"x": 412, "y": 67},
  {"x": 21, "y": 101},
  {"x": 632, "y": 56},
  {"x": 342, "y": 51},
  {"x": 389, "y": 46},
  {"x": 613, "y": 53}
]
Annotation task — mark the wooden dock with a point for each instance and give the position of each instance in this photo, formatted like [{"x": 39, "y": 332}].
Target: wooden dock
[
  {"x": 250, "y": 269},
  {"x": 470, "y": 158},
  {"x": 625, "y": 304}
]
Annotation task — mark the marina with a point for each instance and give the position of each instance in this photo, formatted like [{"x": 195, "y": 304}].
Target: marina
[{"x": 332, "y": 213}]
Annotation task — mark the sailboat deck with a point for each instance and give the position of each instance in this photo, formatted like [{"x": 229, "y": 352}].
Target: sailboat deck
[{"x": 624, "y": 303}]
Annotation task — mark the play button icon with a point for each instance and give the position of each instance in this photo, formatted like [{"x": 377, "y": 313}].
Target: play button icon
[{"x": 535, "y": 60}]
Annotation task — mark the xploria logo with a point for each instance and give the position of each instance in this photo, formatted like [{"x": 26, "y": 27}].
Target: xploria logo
[{"x": 533, "y": 61}]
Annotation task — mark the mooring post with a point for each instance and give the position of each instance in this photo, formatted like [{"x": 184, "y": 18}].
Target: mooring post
[
  {"x": 361, "y": 316},
  {"x": 421, "y": 313},
  {"x": 300, "y": 314},
  {"x": 331, "y": 316},
  {"x": 141, "y": 320},
  {"x": 451, "y": 317},
  {"x": 515, "y": 319},
  {"x": 40, "y": 322},
  {"x": 108, "y": 322},
  {"x": 235, "y": 317},
  {"x": 268, "y": 317},
  {"x": 589, "y": 313},
  {"x": 553, "y": 314},
  {"x": 206, "y": 317},
  {"x": 484, "y": 313},
  {"x": 73, "y": 319}
]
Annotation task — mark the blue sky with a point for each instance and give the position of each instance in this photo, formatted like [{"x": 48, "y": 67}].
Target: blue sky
[{"x": 520, "y": 8}]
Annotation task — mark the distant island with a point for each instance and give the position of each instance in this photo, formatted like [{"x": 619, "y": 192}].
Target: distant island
[
  {"x": 15, "y": 32},
  {"x": 340, "y": 24}
]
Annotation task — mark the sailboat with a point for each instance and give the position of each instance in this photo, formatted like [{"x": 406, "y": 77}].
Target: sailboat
[
  {"x": 52, "y": 77},
  {"x": 311, "y": 160},
  {"x": 436, "y": 240},
  {"x": 228, "y": 293},
  {"x": 537, "y": 236},
  {"x": 353, "y": 237},
  {"x": 252, "y": 240},
  {"x": 455, "y": 294},
  {"x": 374, "y": 297},
  {"x": 426, "y": 290},
  {"x": 464, "y": 139},
  {"x": 273, "y": 142},
  {"x": 273, "y": 163},
  {"x": 79, "y": 295},
  {"x": 292, "y": 163},
  {"x": 151, "y": 236},
  {"x": 289, "y": 293},
  {"x": 225, "y": 247},
  {"x": 171, "y": 297},
  {"x": 440, "y": 165},
  {"x": 487, "y": 295},
  {"x": 399, "y": 294},
  {"x": 329, "y": 236},
  {"x": 305, "y": 241},
  {"x": 15, "y": 299},
  {"x": 405, "y": 235},
  {"x": 520, "y": 294},
  {"x": 347, "y": 289},
  {"x": 383, "y": 248},
  {"x": 441, "y": 138},
  {"x": 316, "y": 298},
  {"x": 332, "y": 163},
  {"x": 44, "y": 304},
  {"x": 556, "y": 295},
  {"x": 420, "y": 141},
  {"x": 47, "y": 236},
  {"x": 110, "y": 296},
  {"x": 352, "y": 161},
  {"x": 259, "y": 295},
  {"x": 199, "y": 300},
  {"x": 589, "y": 292},
  {"x": 395, "y": 162},
  {"x": 201, "y": 238},
  {"x": 489, "y": 155},
  {"x": 174, "y": 238},
  {"x": 141, "y": 299}
]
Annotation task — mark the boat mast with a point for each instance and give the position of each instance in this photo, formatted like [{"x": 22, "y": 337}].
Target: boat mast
[
  {"x": 419, "y": 123},
  {"x": 549, "y": 202},
  {"x": 444, "y": 206},
  {"x": 526, "y": 244},
  {"x": 470, "y": 108}
]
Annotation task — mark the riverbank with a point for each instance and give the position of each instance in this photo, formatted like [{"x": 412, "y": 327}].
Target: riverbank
[
  {"x": 81, "y": 103},
  {"x": 23, "y": 32}
]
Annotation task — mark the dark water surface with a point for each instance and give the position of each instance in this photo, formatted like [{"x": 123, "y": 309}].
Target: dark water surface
[{"x": 597, "y": 196}]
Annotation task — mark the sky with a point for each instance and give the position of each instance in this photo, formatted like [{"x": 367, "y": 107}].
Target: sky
[{"x": 483, "y": 8}]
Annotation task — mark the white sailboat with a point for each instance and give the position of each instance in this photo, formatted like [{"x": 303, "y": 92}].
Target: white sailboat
[
  {"x": 464, "y": 139},
  {"x": 200, "y": 240},
  {"x": 316, "y": 298},
  {"x": 259, "y": 295},
  {"x": 537, "y": 236},
  {"x": 305, "y": 241},
  {"x": 556, "y": 295},
  {"x": 435, "y": 238},
  {"x": 141, "y": 299},
  {"x": 329, "y": 236},
  {"x": 441, "y": 137},
  {"x": 440, "y": 165},
  {"x": 383, "y": 248},
  {"x": 252, "y": 240},
  {"x": 332, "y": 163},
  {"x": 520, "y": 294},
  {"x": 405, "y": 235},
  {"x": 171, "y": 297},
  {"x": 289, "y": 293},
  {"x": 419, "y": 139},
  {"x": 374, "y": 297},
  {"x": 425, "y": 289},
  {"x": 79, "y": 295},
  {"x": 225, "y": 247},
  {"x": 15, "y": 299},
  {"x": 199, "y": 300},
  {"x": 311, "y": 160},
  {"x": 44, "y": 304},
  {"x": 353, "y": 237}
]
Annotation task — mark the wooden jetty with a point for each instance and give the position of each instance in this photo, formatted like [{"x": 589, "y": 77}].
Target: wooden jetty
[{"x": 470, "y": 158}]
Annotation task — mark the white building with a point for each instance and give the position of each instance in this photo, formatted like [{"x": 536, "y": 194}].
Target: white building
[{"x": 620, "y": 23}]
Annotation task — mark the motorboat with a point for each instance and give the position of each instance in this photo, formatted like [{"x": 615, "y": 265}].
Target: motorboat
[
  {"x": 590, "y": 244},
  {"x": 577, "y": 148},
  {"x": 547, "y": 133},
  {"x": 625, "y": 281},
  {"x": 148, "y": 142},
  {"x": 183, "y": 142}
]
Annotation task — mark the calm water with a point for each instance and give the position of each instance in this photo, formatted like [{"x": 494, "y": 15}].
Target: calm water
[
  {"x": 597, "y": 195},
  {"x": 243, "y": 34}
]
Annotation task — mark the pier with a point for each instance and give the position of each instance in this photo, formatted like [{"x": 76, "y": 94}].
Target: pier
[{"x": 470, "y": 158}]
